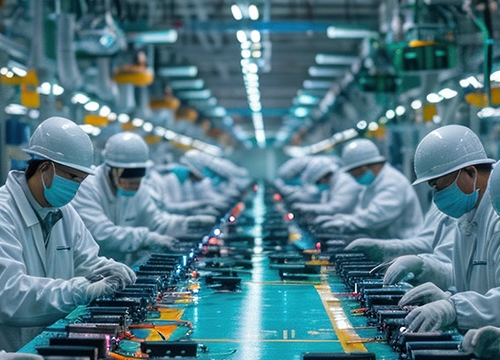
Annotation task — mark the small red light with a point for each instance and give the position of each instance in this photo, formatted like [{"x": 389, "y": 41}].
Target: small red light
[
  {"x": 289, "y": 216},
  {"x": 277, "y": 197},
  {"x": 212, "y": 241},
  {"x": 255, "y": 187}
]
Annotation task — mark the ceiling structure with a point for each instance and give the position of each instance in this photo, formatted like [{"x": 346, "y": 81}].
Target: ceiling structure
[{"x": 292, "y": 33}]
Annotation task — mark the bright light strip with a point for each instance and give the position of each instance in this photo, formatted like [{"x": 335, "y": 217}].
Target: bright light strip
[
  {"x": 112, "y": 116},
  {"x": 246, "y": 54},
  {"x": 434, "y": 98},
  {"x": 416, "y": 104},
  {"x": 253, "y": 12},
  {"x": 15, "y": 109},
  {"x": 44, "y": 88},
  {"x": 104, "y": 111},
  {"x": 305, "y": 99},
  {"x": 317, "y": 84},
  {"x": 137, "y": 122},
  {"x": 147, "y": 127},
  {"x": 255, "y": 36},
  {"x": 301, "y": 112},
  {"x": 195, "y": 94},
  {"x": 57, "y": 90},
  {"x": 4, "y": 71},
  {"x": 390, "y": 114},
  {"x": 236, "y": 11},
  {"x": 18, "y": 71},
  {"x": 154, "y": 37},
  {"x": 180, "y": 71},
  {"x": 123, "y": 118},
  {"x": 471, "y": 81},
  {"x": 241, "y": 36},
  {"x": 373, "y": 126},
  {"x": 80, "y": 98},
  {"x": 91, "y": 106},
  {"x": 187, "y": 84},
  {"x": 330, "y": 59},
  {"x": 400, "y": 110},
  {"x": 448, "y": 93},
  {"x": 315, "y": 71},
  {"x": 488, "y": 112},
  {"x": 361, "y": 125},
  {"x": 495, "y": 76},
  {"x": 334, "y": 32}
]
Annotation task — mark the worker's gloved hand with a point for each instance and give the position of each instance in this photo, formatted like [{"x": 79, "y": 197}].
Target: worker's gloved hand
[
  {"x": 483, "y": 342},
  {"x": 423, "y": 294},
  {"x": 402, "y": 267},
  {"x": 372, "y": 248},
  {"x": 104, "y": 287},
  {"x": 156, "y": 240},
  {"x": 112, "y": 267},
  {"x": 321, "y": 219},
  {"x": 18, "y": 356},
  {"x": 433, "y": 316},
  {"x": 197, "y": 222}
]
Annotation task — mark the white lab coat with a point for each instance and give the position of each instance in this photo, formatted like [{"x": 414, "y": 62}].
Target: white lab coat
[
  {"x": 119, "y": 224},
  {"x": 388, "y": 208},
  {"x": 341, "y": 197},
  {"x": 476, "y": 267},
  {"x": 39, "y": 285}
]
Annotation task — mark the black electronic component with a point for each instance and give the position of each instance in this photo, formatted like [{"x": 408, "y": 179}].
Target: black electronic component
[
  {"x": 100, "y": 343},
  {"x": 441, "y": 354},
  {"x": 86, "y": 352},
  {"x": 95, "y": 328}
]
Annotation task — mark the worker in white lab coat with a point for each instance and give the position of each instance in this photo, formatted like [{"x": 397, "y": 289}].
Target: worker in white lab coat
[
  {"x": 121, "y": 214},
  {"x": 49, "y": 262}
]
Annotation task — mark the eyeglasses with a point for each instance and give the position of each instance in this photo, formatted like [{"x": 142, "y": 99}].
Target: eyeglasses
[
  {"x": 64, "y": 172},
  {"x": 443, "y": 182}
]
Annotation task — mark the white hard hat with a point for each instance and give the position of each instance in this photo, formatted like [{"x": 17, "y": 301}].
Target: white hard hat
[
  {"x": 293, "y": 167},
  {"x": 360, "y": 152},
  {"x": 126, "y": 150},
  {"x": 196, "y": 161},
  {"x": 448, "y": 149},
  {"x": 318, "y": 167},
  {"x": 62, "y": 141}
]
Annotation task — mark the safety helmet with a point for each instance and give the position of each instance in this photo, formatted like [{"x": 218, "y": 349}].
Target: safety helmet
[
  {"x": 447, "y": 149},
  {"x": 360, "y": 152},
  {"x": 196, "y": 161},
  {"x": 317, "y": 168},
  {"x": 494, "y": 188},
  {"x": 293, "y": 167},
  {"x": 126, "y": 150},
  {"x": 62, "y": 141}
]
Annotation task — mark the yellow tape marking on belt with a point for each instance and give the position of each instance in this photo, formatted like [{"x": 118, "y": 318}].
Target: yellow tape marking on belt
[{"x": 343, "y": 328}]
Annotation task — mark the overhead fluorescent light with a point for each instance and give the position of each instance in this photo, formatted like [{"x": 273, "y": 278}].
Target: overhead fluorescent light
[
  {"x": 187, "y": 84},
  {"x": 317, "y": 84},
  {"x": 253, "y": 12},
  {"x": 178, "y": 71},
  {"x": 194, "y": 94},
  {"x": 236, "y": 11},
  {"x": 334, "y": 32},
  {"x": 317, "y": 71},
  {"x": 153, "y": 37},
  {"x": 331, "y": 59}
]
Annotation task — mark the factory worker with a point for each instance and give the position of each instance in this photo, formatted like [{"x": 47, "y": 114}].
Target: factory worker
[
  {"x": 339, "y": 191},
  {"x": 202, "y": 185},
  {"x": 49, "y": 260},
  {"x": 120, "y": 213},
  {"x": 453, "y": 161},
  {"x": 289, "y": 185},
  {"x": 437, "y": 233},
  {"x": 388, "y": 206},
  {"x": 167, "y": 190},
  {"x": 485, "y": 341}
]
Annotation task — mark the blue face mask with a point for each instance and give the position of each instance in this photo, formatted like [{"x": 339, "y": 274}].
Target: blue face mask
[
  {"x": 367, "y": 178},
  {"x": 322, "y": 187},
  {"x": 454, "y": 202},
  {"x": 61, "y": 192},
  {"x": 126, "y": 193},
  {"x": 182, "y": 173}
]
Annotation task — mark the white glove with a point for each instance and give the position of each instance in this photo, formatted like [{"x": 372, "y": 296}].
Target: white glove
[
  {"x": 402, "y": 267},
  {"x": 423, "y": 294},
  {"x": 484, "y": 342},
  {"x": 156, "y": 240},
  {"x": 112, "y": 267},
  {"x": 18, "y": 356},
  {"x": 104, "y": 287},
  {"x": 321, "y": 219},
  {"x": 372, "y": 248},
  {"x": 431, "y": 317}
]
